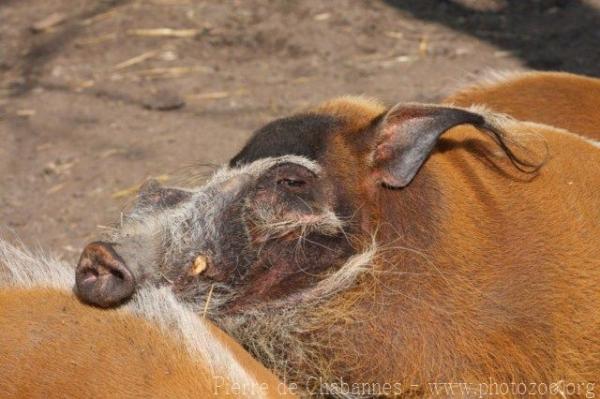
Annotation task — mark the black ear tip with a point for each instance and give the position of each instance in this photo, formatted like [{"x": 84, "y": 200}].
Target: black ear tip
[
  {"x": 458, "y": 116},
  {"x": 478, "y": 120}
]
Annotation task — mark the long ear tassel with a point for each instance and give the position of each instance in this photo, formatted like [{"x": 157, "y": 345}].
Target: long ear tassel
[{"x": 501, "y": 138}]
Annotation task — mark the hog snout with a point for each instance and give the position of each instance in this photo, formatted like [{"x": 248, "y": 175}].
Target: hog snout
[{"x": 101, "y": 277}]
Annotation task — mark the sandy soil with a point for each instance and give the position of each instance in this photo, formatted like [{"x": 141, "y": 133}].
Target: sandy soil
[{"x": 93, "y": 99}]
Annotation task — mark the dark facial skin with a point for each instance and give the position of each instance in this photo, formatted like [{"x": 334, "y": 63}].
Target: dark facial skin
[
  {"x": 275, "y": 238},
  {"x": 289, "y": 258}
]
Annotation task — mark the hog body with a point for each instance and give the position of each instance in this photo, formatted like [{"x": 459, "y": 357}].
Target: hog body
[
  {"x": 360, "y": 250},
  {"x": 53, "y": 346}
]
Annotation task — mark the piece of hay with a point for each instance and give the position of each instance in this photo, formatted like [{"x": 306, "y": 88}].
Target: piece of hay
[
  {"x": 164, "y": 32},
  {"x": 48, "y": 22},
  {"x": 136, "y": 60}
]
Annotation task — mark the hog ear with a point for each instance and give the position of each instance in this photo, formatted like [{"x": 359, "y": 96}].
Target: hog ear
[
  {"x": 407, "y": 135},
  {"x": 152, "y": 194}
]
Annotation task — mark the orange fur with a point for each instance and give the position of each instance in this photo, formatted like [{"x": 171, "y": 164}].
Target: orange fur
[
  {"x": 558, "y": 99},
  {"x": 357, "y": 110},
  {"x": 52, "y": 346},
  {"x": 511, "y": 276},
  {"x": 484, "y": 274}
]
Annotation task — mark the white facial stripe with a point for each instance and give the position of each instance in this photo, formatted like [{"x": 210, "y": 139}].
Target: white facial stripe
[{"x": 258, "y": 167}]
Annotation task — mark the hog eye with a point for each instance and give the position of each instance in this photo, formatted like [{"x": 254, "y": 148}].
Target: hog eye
[
  {"x": 291, "y": 182},
  {"x": 290, "y": 176}
]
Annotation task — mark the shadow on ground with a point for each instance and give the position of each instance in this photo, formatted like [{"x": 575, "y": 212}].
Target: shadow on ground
[
  {"x": 545, "y": 34},
  {"x": 47, "y": 47}
]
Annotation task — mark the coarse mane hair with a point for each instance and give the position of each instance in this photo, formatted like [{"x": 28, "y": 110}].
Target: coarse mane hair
[{"x": 281, "y": 333}]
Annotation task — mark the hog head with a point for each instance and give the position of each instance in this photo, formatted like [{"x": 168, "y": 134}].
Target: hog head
[{"x": 291, "y": 208}]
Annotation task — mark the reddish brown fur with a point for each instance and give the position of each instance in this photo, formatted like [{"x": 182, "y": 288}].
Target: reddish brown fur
[
  {"x": 564, "y": 100},
  {"x": 485, "y": 273},
  {"x": 52, "y": 346}
]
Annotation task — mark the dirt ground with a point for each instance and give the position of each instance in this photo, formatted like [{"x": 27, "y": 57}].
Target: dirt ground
[{"x": 96, "y": 96}]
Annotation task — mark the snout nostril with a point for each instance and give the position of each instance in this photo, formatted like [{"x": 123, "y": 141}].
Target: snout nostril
[
  {"x": 87, "y": 275},
  {"x": 101, "y": 277},
  {"x": 118, "y": 274}
]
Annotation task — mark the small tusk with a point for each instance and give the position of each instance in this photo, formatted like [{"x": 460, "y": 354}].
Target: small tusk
[{"x": 199, "y": 266}]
